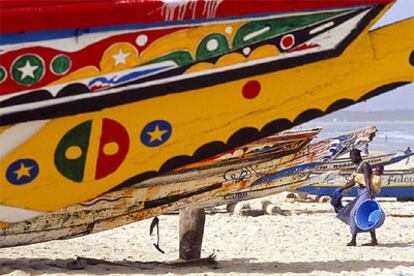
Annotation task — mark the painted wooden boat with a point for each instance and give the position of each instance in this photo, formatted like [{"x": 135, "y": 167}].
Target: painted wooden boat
[
  {"x": 395, "y": 183},
  {"x": 287, "y": 183},
  {"x": 269, "y": 148},
  {"x": 396, "y": 180},
  {"x": 143, "y": 87},
  {"x": 311, "y": 179},
  {"x": 173, "y": 191},
  {"x": 345, "y": 163},
  {"x": 299, "y": 173},
  {"x": 167, "y": 39},
  {"x": 315, "y": 175}
]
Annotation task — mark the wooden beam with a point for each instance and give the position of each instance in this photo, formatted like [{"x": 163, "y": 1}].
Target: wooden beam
[{"x": 191, "y": 231}]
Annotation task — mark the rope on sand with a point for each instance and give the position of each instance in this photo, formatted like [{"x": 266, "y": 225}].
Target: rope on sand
[{"x": 401, "y": 215}]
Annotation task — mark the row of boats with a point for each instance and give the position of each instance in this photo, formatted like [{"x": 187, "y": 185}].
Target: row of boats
[
  {"x": 123, "y": 110},
  {"x": 397, "y": 179},
  {"x": 285, "y": 161}
]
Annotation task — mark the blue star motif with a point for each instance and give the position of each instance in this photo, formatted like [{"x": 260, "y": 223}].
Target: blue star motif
[
  {"x": 156, "y": 133},
  {"x": 22, "y": 171}
]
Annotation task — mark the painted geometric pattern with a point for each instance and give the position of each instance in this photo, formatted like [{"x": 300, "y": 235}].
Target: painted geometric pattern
[
  {"x": 152, "y": 197},
  {"x": 85, "y": 154},
  {"x": 284, "y": 144},
  {"x": 129, "y": 57}
]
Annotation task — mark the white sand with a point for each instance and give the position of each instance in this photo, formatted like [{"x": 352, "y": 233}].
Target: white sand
[{"x": 310, "y": 241}]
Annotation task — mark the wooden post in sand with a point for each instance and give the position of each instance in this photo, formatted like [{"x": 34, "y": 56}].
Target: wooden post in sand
[{"x": 191, "y": 231}]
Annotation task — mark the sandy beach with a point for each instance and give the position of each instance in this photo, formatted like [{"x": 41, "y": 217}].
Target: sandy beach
[
  {"x": 120, "y": 110},
  {"x": 308, "y": 241}
]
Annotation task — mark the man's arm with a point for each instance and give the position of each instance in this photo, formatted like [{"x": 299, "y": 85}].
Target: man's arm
[{"x": 348, "y": 185}]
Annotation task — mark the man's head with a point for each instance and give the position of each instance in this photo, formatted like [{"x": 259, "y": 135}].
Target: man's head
[
  {"x": 355, "y": 156},
  {"x": 379, "y": 170}
]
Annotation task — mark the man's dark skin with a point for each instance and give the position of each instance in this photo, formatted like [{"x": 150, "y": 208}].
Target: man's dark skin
[{"x": 367, "y": 171}]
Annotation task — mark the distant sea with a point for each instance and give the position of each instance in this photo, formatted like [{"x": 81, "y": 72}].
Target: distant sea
[{"x": 391, "y": 135}]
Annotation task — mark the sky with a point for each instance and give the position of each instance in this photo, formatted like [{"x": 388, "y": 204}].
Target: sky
[{"x": 403, "y": 97}]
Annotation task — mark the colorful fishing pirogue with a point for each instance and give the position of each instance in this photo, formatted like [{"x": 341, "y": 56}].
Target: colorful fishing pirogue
[
  {"x": 395, "y": 183},
  {"x": 267, "y": 166},
  {"x": 397, "y": 180},
  {"x": 114, "y": 92},
  {"x": 344, "y": 164},
  {"x": 269, "y": 148}
]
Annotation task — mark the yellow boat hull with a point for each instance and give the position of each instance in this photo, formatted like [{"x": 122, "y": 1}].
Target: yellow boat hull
[{"x": 186, "y": 127}]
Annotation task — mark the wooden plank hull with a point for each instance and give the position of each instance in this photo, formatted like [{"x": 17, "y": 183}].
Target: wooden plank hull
[
  {"x": 275, "y": 146},
  {"x": 398, "y": 184},
  {"x": 163, "y": 194},
  {"x": 345, "y": 164},
  {"x": 289, "y": 183},
  {"x": 395, "y": 183},
  {"x": 322, "y": 181}
]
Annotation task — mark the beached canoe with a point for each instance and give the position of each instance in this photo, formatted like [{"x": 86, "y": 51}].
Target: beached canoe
[
  {"x": 273, "y": 147},
  {"x": 116, "y": 92},
  {"x": 395, "y": 183},
  {"x": 122, "y": 43},
  {"x": 397, "y": 180},
  {"x": 344, "y": 163},
  {"x": 196, "y": 186},
  {"x": 317, "y": 174}
]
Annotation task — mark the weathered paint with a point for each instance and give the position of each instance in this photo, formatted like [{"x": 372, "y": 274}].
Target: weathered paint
[
  {"x": 179, "y": 53},
  {"x": 398, "y": 184},
  {"x": 275, "y": 146},
  {"x": 345, "y": 164},
  {"x": 205, "y": 186},
  {"x": 358, "y": 70},
  {"x": 288, "y": 183},
  {"x": 90, "y": 13},
  {"x": 322, "y": 179}
]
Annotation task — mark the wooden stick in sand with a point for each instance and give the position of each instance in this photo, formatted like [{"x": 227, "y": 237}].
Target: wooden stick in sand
[{"x": 191, "y": 231}]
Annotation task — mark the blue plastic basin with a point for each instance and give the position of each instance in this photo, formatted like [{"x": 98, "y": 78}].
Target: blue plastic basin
[{"x": 369, "y": 215}]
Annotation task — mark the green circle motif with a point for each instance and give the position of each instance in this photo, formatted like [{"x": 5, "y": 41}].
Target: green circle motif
[
  {"x": 203, "y": 51},
  {"x": 60, "y": 64},
  {"x": 28, "y": 70},
  {"x": 2, "y": 74}
]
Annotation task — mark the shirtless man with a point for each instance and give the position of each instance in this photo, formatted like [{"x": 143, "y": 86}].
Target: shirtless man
[{"x": 364, "y": 192}]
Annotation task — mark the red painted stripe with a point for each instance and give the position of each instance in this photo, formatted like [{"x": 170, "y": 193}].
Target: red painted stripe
[{"x": 37, "y": 15}]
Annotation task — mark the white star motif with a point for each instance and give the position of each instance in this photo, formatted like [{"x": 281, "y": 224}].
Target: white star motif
[
  {"x": 120, "y": 57},
  {"x": 27, "y": 70}
]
